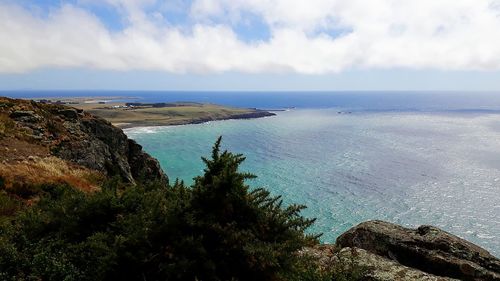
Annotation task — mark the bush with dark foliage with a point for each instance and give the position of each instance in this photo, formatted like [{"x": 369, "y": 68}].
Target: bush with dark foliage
[{"x": 218, "y": 229}]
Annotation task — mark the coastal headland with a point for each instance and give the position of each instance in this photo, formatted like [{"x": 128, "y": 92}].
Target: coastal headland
[{"x": 138, "y": 114}]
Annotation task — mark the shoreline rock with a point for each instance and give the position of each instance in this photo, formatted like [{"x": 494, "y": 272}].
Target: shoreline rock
[{"x": 427, "y": 249}]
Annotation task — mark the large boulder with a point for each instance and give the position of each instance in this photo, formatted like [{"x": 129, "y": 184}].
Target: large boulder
[{"x": 426, "y": 248}]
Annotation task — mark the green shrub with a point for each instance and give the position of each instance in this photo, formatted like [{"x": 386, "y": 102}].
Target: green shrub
[
  {"x": 8, "y": 205},
  {"x": 24, "y": 190},
  {"x": 336, "y": 268},
  {"x": 247, "y": 233},
  {"x": 218, "y": 229}
]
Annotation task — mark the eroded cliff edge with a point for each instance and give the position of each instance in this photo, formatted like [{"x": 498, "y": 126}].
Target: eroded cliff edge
[{"x": 31, "y": 130}]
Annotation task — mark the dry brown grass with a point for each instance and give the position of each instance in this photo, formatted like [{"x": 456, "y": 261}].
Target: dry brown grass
[{"x": 37, "y": 171}]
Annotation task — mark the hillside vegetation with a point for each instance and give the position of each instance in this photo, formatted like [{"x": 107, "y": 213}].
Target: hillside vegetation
[{"x": 217, "y": 229}]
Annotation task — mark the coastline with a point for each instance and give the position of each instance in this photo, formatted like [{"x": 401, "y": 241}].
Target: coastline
[
  {"x": 130, "y": 115},
  {"x": 142, "y": 123}
]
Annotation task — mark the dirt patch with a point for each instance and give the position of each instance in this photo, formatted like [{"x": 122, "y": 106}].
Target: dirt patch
[{"x": 13, "y": 150}]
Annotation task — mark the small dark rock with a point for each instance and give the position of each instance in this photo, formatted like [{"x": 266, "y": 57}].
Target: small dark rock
[
  {"x": 21, "y": 113},
  {"x": 25, "y": 116},
  {"x": 69, "y": 113}
]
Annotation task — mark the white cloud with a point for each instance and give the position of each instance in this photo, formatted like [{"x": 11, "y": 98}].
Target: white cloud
[{"x": 445, "y": 34}]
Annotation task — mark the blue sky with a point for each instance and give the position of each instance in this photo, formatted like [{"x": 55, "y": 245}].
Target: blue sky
[{"x": 250, "y": 45}]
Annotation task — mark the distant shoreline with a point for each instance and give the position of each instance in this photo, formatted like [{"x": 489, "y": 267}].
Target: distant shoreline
[
  {"x": 136, "y": 114},
  {"x": 132, "y": 114},
  {"x": 139, "y": 124}
]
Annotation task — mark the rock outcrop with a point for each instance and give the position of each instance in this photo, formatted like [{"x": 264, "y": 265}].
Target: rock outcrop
[
  {"x": 375, "y": 267},
  {"x": 427, "y": 249},
  {"x": 77, "y": 136}
]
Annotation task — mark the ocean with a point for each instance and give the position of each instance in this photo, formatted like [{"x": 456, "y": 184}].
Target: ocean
[
  {"x": 409, "y": 158},
  {"x": 355, "y": 101}
]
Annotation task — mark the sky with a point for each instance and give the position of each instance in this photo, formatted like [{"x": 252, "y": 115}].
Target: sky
[{"x": 250, "y": 45}]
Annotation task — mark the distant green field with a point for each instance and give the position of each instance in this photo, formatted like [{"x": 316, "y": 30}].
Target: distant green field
[{"x": 184, "y": 113}]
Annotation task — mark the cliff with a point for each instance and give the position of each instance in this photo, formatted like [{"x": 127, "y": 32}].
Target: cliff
[{"x": 31, "y": 132}]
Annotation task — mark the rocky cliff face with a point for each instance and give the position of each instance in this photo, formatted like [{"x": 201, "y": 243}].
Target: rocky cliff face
[
  {"x": 397, "y": 253},
  {"x": 76, "y": 136}
]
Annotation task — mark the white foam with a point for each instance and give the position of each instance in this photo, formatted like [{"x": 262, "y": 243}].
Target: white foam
[{"x": 144, "y": 130}]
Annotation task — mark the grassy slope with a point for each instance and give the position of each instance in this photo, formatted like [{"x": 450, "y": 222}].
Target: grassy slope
[
  {"x": 26, "y": 163},
  {"x": 185, "y": 114}
]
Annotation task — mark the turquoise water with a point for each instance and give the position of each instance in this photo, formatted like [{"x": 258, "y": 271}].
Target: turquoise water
[{"x": 408, "y": 168}]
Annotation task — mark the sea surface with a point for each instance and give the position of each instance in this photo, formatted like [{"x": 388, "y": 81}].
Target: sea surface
[
  {"x": 409, "y": 158},
  {"x": 355, "y": 101}
]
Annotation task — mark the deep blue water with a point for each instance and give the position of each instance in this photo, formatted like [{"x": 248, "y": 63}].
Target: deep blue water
[
  {"x": 410, "y": 158},
  {"x": 356, "y": 101}
]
